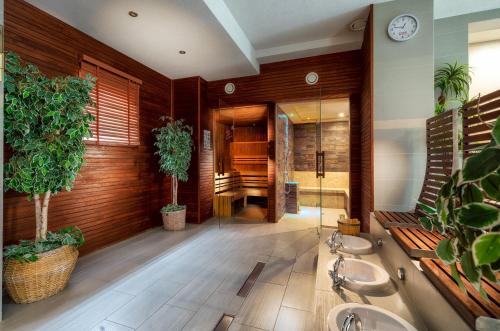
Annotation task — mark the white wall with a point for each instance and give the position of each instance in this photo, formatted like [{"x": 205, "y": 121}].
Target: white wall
[
  {"x": 484, "y": 60},
  {"x": 403, "y": 100}
]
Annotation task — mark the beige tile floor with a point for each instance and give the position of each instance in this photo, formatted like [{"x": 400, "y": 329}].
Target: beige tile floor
[{"x": 186, "y": 280}]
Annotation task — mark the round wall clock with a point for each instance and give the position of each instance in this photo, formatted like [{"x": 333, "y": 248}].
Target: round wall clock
[
  {"x": 403, "y": 27},
  {"x": 229, "y": 88}
]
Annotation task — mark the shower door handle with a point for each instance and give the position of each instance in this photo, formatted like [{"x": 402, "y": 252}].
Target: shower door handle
[{"x": 320, "y": 164}]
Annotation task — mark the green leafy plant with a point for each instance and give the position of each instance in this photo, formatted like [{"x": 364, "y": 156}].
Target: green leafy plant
[
  {"x": 466, "y": 214},
  {"x": 28, "y": 250},
  {"x": 45, "y": 124},
  {"x": 452, "y": 80},
  {"x": 174, "y": 146}
]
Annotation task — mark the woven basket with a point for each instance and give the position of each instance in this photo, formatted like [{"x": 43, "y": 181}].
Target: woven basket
[
  {"x": 349, "y": 226},
  {"x": 175, "y": 220},
  {"x": 33, "y": 281}
]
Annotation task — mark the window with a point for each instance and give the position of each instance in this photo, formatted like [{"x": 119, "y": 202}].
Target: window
[{"x": 116, "y": 104}]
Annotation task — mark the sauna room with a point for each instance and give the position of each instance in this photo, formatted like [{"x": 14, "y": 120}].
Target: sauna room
[
  {"x": 312, "y": 146},
  {"x": 241, "y": 162}
]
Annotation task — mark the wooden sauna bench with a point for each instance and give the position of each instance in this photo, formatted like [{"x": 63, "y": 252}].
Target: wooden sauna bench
[
  {"x": 237, "y": 185},
  {"x": 335, "y": 197}
]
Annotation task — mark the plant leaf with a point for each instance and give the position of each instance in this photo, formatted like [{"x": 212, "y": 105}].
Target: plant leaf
[
  {"x": 491, "y": 185},
  {"x": 427, "y": 209},
  {"x": 496, "y": 131},
  {"x": 470, "y": 270},
  {"x": 471, "y": 193},
  {"x": 488, "y": 273},
  {"x": 481, "y": 165},
  {"x": 486, "y": 248},
  {"x": 479, "y": 215},
  {"x": 445, "y": 251},
  {"x": 426, "y": 223},
  {"x": 456, "y": 277}
]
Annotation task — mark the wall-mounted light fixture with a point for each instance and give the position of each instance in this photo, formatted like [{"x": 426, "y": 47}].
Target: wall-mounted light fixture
[
  {"x": 229, "y": 88},
  {"x": 312, "y": 78}
]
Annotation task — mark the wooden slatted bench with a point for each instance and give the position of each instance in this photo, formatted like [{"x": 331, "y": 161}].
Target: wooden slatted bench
[
  {"x": 439, "y": 166},
  {"x": 254, "y": 183},
  {"x": 227, "y": 191},
  {"x": 417, "y": 242},
  {"x": 469, "y": 305}
]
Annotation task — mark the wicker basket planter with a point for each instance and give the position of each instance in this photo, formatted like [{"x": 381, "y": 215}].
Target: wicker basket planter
[
  {"x": 174, "y": 220},
  {"x": 33, "y": 281}
]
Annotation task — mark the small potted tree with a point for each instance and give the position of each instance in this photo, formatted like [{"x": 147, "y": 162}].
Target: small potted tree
[
  {"x": 174, "y": 146},
  {"x": 45, "y": 124},
  {"x": 451, "y": 80}
]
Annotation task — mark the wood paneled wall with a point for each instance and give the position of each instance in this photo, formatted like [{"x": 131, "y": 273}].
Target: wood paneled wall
[
  {"x": 355, "y": 180},
  {"x": 119, "y": 191},
  {"x": 367, "y": 126},
  {"x": 339, "y": 76},
  {"x": 272, "y": 214},
  {"x": 190, "y": 104}
]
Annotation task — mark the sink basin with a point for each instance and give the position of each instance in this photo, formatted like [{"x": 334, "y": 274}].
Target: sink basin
[
  {"x": 368, "y": 317},
  {"x": 355, "y": 245},
  {"x": 362, "y": 275}
]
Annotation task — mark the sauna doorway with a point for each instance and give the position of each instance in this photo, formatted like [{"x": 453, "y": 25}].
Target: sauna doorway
[
  {"x": 241, "y": 164},
  {"x": 312, "y": 153}
]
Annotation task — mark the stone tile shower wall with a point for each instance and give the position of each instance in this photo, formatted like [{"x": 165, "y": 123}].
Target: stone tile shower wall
[{"x": 335, "y": 143}]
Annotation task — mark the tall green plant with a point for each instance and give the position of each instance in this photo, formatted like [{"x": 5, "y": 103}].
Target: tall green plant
[
  {"x": 471, "y": 225},
  {"x": 451, "y": 80},
  {"x": 45, "y": 124},
  {"x": 174, "y": 146}
]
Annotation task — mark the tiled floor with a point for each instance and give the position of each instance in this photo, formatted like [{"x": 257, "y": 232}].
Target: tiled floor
[{"x": 186, "y": 280}]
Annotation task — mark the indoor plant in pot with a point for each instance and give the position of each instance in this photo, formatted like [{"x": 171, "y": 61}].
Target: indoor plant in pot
[
  {"x": 451, "y": 80},
  {"x": 467, "y": 214},
  {"x": 45, "y": 124},
  {"x": 174, "y": 146}
]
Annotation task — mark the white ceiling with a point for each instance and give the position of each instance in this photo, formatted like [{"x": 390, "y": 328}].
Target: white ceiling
[{"x": 226, "y": 38}]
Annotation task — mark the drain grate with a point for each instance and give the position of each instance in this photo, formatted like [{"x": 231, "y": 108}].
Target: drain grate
[
  {"x": 224, "y": 323},
  {"x": 252, "y": 278}
]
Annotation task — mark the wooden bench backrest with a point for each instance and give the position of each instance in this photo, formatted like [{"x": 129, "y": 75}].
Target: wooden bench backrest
[
  {"x": 439, "y": 167},
  {"x": 228, "y": 181},
  {"x": 478, "y": 118}
]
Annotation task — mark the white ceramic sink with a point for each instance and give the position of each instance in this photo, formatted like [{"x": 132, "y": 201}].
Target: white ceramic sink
[
  {"x": 368, "y": 317},
  {"x": 362, "y": 275},
  {"x": 355, "y": 245}
]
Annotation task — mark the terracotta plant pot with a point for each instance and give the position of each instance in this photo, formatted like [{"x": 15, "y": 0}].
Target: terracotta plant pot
[
  {"x": 174, "y": 220},
  {"x": 28, "y": 282}
]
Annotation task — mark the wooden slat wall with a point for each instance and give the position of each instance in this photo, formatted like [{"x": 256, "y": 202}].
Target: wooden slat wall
[
  {"x": 478, "y": 116},
  {"x": 119, "y": 191},
  {"x": 367, "y": 125},
  {"x": 272, "y": 215},
  {"x": 439, "y": 137},
  {"x": 339, "y": 76},
  {"x": 206, "y": 157},
  {"x": 185, "y": 106},
  {"x": 354, "y": 206}
]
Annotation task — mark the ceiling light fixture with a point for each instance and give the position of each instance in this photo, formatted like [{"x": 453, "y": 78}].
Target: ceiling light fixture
[
  {"x": 358, "y": 25},
  {"x": 132, "y": 13},
  {"x": 182, "y": 52}
]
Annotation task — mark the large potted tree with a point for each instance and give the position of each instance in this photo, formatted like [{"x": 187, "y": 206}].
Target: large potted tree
[
  {"x": 45, "y": 124},
  {"x": 174, "y": 146}
]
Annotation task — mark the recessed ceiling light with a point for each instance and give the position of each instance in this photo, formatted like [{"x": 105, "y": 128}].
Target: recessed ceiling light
[
  {"x": 358, "y": 25},
  {"x": 182, "y": 52},
  {"x": 132, "y": 13},
  {"x": 341, "y": 115}
]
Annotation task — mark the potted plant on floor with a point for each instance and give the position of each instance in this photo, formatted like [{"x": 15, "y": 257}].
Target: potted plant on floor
[
  {"x": 467, "y": 214},
  {"x": 45, "y": 124},
  {"x": 174, "y": 146}
]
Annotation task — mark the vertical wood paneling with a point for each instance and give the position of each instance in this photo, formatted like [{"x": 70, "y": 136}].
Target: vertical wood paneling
[
  {"x": 272, "y": 215},
  {"x": 354, "y": 206},
  {"x": 206, "y": 158},
  {"x": 367, "y": 126},
  {"x": 186, "y": 107},
  {"x": 119, "y": 191}
]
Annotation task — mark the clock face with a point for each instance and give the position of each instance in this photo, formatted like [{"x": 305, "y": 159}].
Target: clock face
[{"x": 403, "y": 27}]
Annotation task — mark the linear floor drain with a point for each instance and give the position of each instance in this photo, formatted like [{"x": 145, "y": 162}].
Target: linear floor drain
[
  {"x": 224, "y": 323},
  {"x": 252, "y": 278}
]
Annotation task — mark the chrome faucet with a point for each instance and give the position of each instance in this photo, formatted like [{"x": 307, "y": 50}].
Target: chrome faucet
[
  {"x": 346, "y": 325},
  {"x": 334, "y": 274},
  {"x": 332, "y": 241}
]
